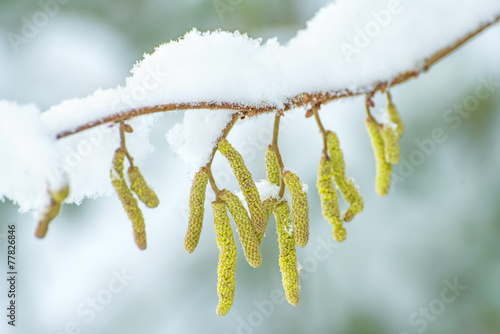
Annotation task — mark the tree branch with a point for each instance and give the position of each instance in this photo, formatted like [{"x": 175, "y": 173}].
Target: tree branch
[{"x": 297, "y": 101}]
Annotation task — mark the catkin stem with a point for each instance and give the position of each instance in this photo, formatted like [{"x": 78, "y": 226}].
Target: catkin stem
[
  {"x": 276, "y": 130},
  {"x": 123, "y": 143},
  {"x": 324, "y": 133},
  {"x": 208, "y": 166}
]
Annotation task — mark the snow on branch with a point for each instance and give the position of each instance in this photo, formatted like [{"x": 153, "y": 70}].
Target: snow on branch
[{"x": 349, "y": 48}]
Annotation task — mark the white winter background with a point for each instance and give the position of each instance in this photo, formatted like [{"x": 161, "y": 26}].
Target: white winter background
[{"x": 440, "y": 224}]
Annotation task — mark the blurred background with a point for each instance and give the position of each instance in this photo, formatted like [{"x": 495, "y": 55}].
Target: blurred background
[{"x": 424, "y": 259}]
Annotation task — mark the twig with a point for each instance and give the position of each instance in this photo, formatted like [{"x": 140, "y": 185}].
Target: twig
[
  {"x": 208, "y": 166},
  {"x": 123, "y": 144},
  {"x": 323, "y": 131},
  {"x": 274, "y": 144}
]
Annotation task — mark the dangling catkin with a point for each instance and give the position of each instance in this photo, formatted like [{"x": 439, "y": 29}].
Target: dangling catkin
[
  {"x": 196, "y": 210},
  {"x": 349, "y": 193},
  {"x": 384, "y": 169},
  {"x": 336, "y": 156},
  {"x": 288, "y": 257},
  {"x": 51, "y": 212},
  {"x": 127, "y": 198},
  {"x": 118, "y": 160},
  {"x": 391, "y": 144},
  {"x": 141, "y": 188},
  {"x": 246, "y": 183},
  {"x": 226, "y": 269},
  {"x": 328, "y": 196},
  {"x": 272, "y": 168},
  {"x": 246, "y": 232},
  {"x": 394, "y": 115},
  {"x": 300, "y": 208}
]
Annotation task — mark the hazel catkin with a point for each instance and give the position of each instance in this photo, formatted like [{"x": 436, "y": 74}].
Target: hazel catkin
[
  {"x": 352, "y": 196},
  {"x": 349, "y": 192},
  {"x": 288, "y": 256},
  {"x": 391, "y": 144},
  {"x": 196, "y": 210},
  {"x": 384, "y": 169},
  {"x": 132, "y": 209},
  {"x": 300, "y": 207},
  {"x": 246, "y": 183},
  {"x": 394, "y": 115},
  {"x": 246, "y": 231},
  {"x": 328, "y": 197},
  {"x": 226, "y": 269},
  {"x": 51, "y": 212},
  {"x": 336, "y": 156},
  {"x": 141, "y": 188},
  {"x": 127, "y": 198},
  {"x": 272, "y": 168}
]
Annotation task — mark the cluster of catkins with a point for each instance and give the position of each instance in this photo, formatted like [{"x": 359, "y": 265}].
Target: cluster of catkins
[
  {"x": 137, "y": 185},
  {"x": 332, "y": 170},
  {"x": 292, "y": 229},
  {"x": 385, "y": 142}
]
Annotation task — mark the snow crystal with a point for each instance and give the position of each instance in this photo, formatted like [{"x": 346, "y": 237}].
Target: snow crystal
[
  {"x": 382, "y": 117},
  {"x": 266, "y": 190}
]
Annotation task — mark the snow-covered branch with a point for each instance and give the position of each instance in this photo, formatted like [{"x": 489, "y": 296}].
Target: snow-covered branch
[{"x": 303, "y": 99}]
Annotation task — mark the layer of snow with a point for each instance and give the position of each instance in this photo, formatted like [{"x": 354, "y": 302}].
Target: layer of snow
[
  {"x": 195, "y": 138},
  {"x": 382, "y": 117},
  {"x": 348, "y": 44},
  {"x": 28, "y": 153}
]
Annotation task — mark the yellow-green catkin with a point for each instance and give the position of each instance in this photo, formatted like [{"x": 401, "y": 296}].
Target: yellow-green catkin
[
  {"x": 329, "y": 200},
  {"x": 391, "y": 144},
  {"x": 272, "y": 167},
  {"x": 288, "y": 256},
  {"x": 246, "y": 183},
  {"x": 226, "y": 269},
  {"x": 336, "y": 156},
  {"x": 300, "y": 207},
  {"x": 127, "y": 198},
  {"x": 118, "y": 160},
  {"x": 269, "y": 205},
  {"x": 196, "y": 210},
  {"x": 349, "y": 191},
  {"x": 51, "y": 212},
  {"x": 384, "y": 169},
  {"x": 352, "y": 196},
  {"x": 141, "y": 188},
  {"x": 394, "y": 115},
  {"x": 246, "y": 231}
]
